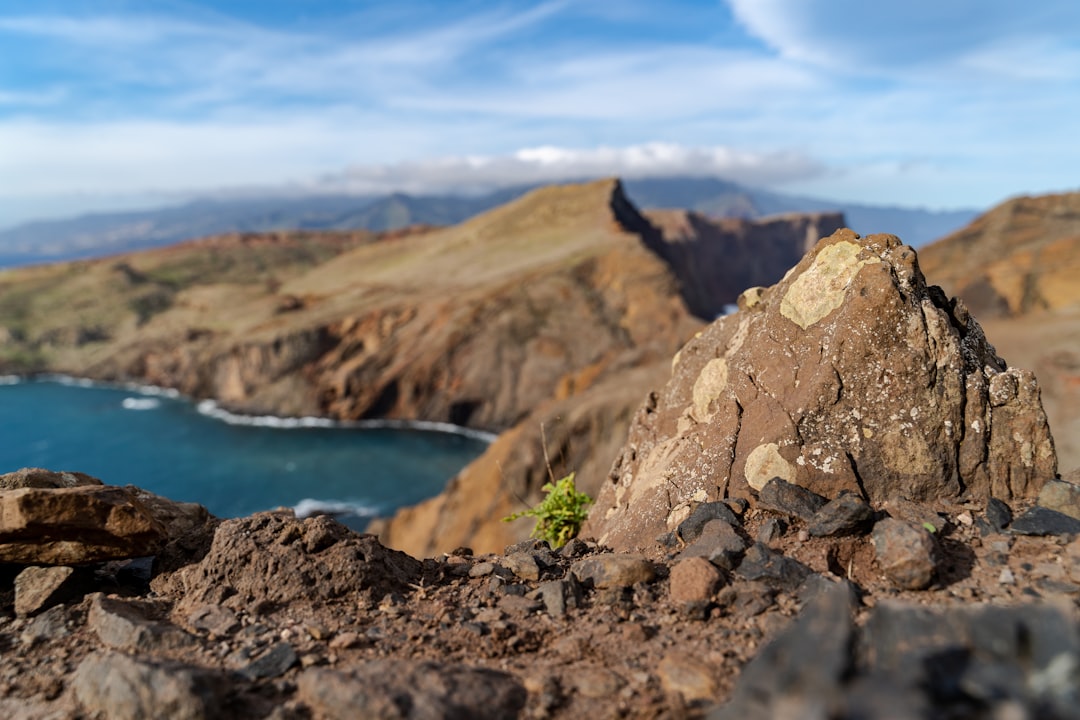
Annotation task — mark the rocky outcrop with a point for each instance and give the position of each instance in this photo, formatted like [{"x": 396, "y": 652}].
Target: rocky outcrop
[
  {"x": 716, "y": 259},
  {"x": 1020, "y": 257},
  {"x": 851, "y": 374}
]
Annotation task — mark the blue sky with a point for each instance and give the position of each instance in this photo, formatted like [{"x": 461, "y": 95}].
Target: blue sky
[{"x": 939, "y": 103}]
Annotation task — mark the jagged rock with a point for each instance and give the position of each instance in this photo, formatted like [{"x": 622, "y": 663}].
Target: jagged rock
[
  {"x": 998, "y": 514},
  {"x": 846, "y": 515},
  {"x": 43, "y": 479},
  {"x": 771, "y": 529},
  {"x": 1044, "y": 521},
  {"x": 784, "y": 497},
  {"x": 906, "y": 554},
  {"x": 719, "y": 543},
  {"x": 849, "y": 374},
  {"x": 763, "y": 564},
  {"x": 400, "y": 690},
  {"x": 108, "y": 684},
  {"x": 558, "y": 595},
  {"x": 694, "y": 579},
  {"x": 614, "y": 570},
  {"x": 39, "y": 588},
  {"x": 217, "y": 620},
  {"x": 271, "y": 559},
  {"x": 272, "y": 663},
  {"x": 128, "y": 625},
  {"x": 807, "y": 663},
  {"x": 75, "y": 524},
  {"x": 703, "y": 513}
]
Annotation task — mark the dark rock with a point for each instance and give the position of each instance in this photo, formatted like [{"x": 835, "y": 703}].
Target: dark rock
[
  {"x": 558, "y": 595},
  {"x": 694, "y": 579},
  {"x": 272, "y": 663},
  {"x": 998, "y": 514},
  {"x": 809, "y": 661},
  {"x": 119, "y": 687},
  {"x": 763, "y": 564},
  {"x": 127, "y": 625},
  {"x": 690, "y": 528},
  {"x": 614, "y": 570},
  {"x": 575, "y": 547},
  {"x": 816, "y": 584},
  {"x": 770, "y": 530},
  {"x": 747, "y": 599},
  {"x": 1061, "y": 496},
  {"x": 1043, "y": 521},
  {"x": 848, "y": 514},
  {"x": 403, "y": 690},
  {"x": 719, "y": 543},
  {"x": 39, "y": 588},
  {"x": 906, "y": 554},
  {"x": 781, "y": 496}
]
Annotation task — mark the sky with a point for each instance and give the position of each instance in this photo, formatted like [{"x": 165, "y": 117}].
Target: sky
[{"x": 926, "y": 103}]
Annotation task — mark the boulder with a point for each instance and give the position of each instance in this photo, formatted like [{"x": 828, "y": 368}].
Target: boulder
[
  {"x": 271, "y": 559},
  {"x": 852, "y": 374},
  {"x": 75, "y": 524}
]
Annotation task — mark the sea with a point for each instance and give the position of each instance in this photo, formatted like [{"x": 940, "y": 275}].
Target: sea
[{"x": 233, "y": 464}]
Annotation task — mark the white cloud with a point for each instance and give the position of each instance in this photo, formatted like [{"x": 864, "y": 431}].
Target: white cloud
[{"x": 552, "y": 164}]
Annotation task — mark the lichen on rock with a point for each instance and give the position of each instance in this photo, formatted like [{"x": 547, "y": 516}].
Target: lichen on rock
[{"x": 851, "y": 373}]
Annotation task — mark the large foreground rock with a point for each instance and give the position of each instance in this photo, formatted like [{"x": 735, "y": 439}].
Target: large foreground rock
[
  {"x": 850, "y": 374},
  {"x": 272, "y": 559}
]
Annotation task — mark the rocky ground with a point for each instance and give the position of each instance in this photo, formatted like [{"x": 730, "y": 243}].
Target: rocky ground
[{"x": 274, "y": 617}]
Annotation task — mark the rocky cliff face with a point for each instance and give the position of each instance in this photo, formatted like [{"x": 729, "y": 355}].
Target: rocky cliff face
[
  {"x": 716, "y": 259},
  {"x": 849, "y": 375},
  {"x": 1021, "y": 256}
]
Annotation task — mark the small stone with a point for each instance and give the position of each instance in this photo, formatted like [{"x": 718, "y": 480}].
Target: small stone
[
  {"x": 764, "y": 564},
  {"x": 575, "y": 547},
  {"x": 614, "y": 570},
  {"x": 848, "y": 514},
  {"x": 126, "y": 625},
  {"x": 49, "y": 625},
  {"x": 780, "y": 495},
  {"x": 688, "y": 678},
  {"x": 1044, "y": 521},
  {"x": 1006, "y": 577},
  {"x": 523, "y": 564},
  {"x": 481, "y": 569},
  {"x": 694, "y": 579},
  {"x": 346, "y": 640},
  {"x": 558, "y": 595},
  {"x": 596, "y": 682},
  {"x": 690, "y": 528},
  {"x": 803, "y": 535},
  {"x": 906, "y": 553},
  {"x": 998, "y": 514},
  {"x": 218, "y": 620},
  {"x": 519, "y": 605},
  {"x": 772, "y": 529},
  {"x": 1061, "y": 496},
  {"x": 273, "y": 663},
  {"x": 719, "y": 543},
  {"x": 39, "y": 588},
  {"x": 117, "y": 686},
  {"x": 965, "y": 519}
]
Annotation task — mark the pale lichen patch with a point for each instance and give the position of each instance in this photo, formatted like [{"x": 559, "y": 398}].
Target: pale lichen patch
[
  {"x": 820, "y": 290},
  {"x": 710, "y": 383},
  {"x": 764, "y": 463}
]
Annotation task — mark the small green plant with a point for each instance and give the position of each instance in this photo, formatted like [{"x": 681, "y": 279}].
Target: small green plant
[{"x": 560, "y": 514}]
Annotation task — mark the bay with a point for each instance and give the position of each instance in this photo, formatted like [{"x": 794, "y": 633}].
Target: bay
[{"x": 233, "y": 465}]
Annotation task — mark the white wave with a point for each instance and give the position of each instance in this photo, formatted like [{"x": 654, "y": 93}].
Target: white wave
[
  {"x": 210, "y": 408},
  {"x": 143, "y": 403},
  {"x": 69, "y": 380},
  {"x": 309, "y": 506},
  {"x": 10, "y": 379},
  {"x": 152, "y": 390}
]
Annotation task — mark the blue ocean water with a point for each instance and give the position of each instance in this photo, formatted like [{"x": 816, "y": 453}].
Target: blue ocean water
[{"x": 232, "y": 465}]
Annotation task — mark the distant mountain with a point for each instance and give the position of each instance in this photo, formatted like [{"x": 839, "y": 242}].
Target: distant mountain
[{"x": 109, "y": 233}]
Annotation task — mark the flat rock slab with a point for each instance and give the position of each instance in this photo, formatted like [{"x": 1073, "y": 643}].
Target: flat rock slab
[
  {"x": 613, "y": 570},
  {"x": 39, "y": 588},
  {"x": 395, "y": 690},
  {"x": 71, "y": 525},
  {"x": 1044, "y": 521}
]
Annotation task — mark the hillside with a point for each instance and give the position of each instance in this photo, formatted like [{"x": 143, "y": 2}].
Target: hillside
[{"x": 97, "y": 234}]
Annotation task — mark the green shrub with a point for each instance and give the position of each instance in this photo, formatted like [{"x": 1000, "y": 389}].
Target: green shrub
[{"x": 560, "y": 515}]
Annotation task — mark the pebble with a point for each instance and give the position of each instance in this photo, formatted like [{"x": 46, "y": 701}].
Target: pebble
[
  {"x": 719, "y": 543},
  {"x": 848, "y": 514},
  {"x": 481, "y": 569},
  {"x": 906, "y": 553},
  {"x": 689, "y": 678},
  {"x": 690, "y": 528},
  {"x": 1006, "y": 577},
  {"x": 694, "y": 579},
  {"x": 614, "y": 570},
  {"x": 781, "y": 496}
]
